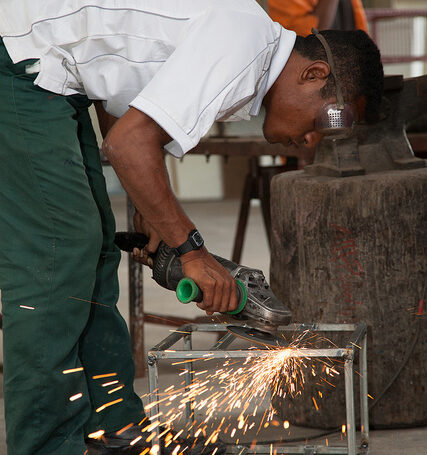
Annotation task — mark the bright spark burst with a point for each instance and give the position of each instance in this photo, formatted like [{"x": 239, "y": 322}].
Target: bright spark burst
[
  {"x": 72, "y": 370},
  {"x": 106, "y": 384},
  {"x": 116, "y": 389},
  {"x": 239, "y": 386},
  {"x": 135, "y": 440},
  {"x": 122, "y": 430},
  {"x": 96, "y": 435},
  {"x": 106, "y": 405},
  {"x": 106, "y": 375},
  {"x": 315, "y": 403},
  {"x": 155, "y": 449},
  {"x": 88, "y": 301}
]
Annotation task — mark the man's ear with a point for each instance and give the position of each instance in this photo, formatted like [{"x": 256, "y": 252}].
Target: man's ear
[{"x": 314, "y": 71}]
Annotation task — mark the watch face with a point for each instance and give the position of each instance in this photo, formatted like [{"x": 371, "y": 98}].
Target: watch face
[{"x": 197, "y": 239}]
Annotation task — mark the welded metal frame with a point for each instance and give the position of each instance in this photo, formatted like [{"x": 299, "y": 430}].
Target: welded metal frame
[{"x": 357, "y": 343}]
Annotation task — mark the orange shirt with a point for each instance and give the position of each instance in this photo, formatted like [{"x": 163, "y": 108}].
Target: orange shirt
[
  {"x": 294, "y": 15},
  {"x": 360, "y": 21},
  {"x": 298, "y": 15}
]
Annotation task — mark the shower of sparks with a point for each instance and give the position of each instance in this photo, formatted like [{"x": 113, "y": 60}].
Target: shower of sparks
[
  {"x": 73, "y": 370},
  {"x": 315, "y": 403},
  {"x": 135, "y": 440},
  {"x": 240, "y": 387},
  {"x": 122, "y": 430},
  {"x": 106, "y": 384},
  {"x": 88, "y": 301},
  {"x": 106, "y": 375},
  {"x": 76, "y": 397},
  {"x": 154, "y": 450},
  {"x": 96, "y": 435},
  {"x": 106, "y": 405},
  {"x": 116, "y": 389},
  {"x": 25, "y": 307}
]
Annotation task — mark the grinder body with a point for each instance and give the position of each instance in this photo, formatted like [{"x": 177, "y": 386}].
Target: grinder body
[{"x": 261, "y": 309}]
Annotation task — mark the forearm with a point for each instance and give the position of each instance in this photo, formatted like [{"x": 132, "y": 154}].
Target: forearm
[
  {"x": 146, "y": 182},
  {"x": 105, "y": 120},
  {"x": 134, "y": 148}
]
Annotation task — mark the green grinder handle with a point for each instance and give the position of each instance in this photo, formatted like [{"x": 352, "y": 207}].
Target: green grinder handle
[{"x": 188, "y": 291}]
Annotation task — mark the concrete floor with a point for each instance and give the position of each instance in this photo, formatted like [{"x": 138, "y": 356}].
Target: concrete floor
[{"x": 216, "y": 220}]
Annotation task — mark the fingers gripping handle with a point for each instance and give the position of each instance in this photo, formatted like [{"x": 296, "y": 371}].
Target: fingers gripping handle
[
  {"x": 188, "y": 291},
  {"x": 167, "y": 270},
  {"x": 127, "y": 241}
]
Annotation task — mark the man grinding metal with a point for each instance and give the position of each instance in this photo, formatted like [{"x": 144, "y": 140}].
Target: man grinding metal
[{"x": 160, "y": 72}]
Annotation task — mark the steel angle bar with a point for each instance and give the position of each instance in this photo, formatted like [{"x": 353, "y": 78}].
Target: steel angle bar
[
  {"x": 209, "y": 327},
  {"x": 222, "y": 327},
  {"x": 153, "y": 381},
  {"x": 220, "y": 350},
  {"x": 357, "y": 335},
  {"x": 289, "y": 450},
  {"x": 224, "y": 342},
  {"x": 189, "y": 407},
  {"x": 364, "y": 410},
  {"x": 221, "y": 354},
  {"x": 173, "y": 338},
  {"x": 349, "y": 405},
  {"x": 318, "y": 327}
]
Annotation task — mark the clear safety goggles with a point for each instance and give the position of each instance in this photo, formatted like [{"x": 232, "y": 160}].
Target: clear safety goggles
[{"x": 335, "y": 120}]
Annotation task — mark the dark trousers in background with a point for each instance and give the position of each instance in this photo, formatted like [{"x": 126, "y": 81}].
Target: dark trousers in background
[{"x": 58, "y": 275}]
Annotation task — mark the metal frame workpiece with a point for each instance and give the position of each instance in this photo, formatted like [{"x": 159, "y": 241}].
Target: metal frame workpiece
[{"x": 357, "y": 343}]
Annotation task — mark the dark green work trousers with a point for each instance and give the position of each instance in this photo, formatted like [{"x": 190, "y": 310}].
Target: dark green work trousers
[{"x": 58, "y": 275}]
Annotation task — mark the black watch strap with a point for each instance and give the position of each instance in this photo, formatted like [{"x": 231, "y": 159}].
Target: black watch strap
[{"x": 194, "y": 242}]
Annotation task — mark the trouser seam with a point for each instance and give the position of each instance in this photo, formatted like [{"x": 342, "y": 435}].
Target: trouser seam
[{"x": 52, "y": 229}]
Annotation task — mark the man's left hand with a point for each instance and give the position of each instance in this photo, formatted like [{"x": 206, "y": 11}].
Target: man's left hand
[{"x": 143, "y": 226}]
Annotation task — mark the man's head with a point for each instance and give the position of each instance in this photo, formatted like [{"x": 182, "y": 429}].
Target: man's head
[{"x": 306, "y": 84}]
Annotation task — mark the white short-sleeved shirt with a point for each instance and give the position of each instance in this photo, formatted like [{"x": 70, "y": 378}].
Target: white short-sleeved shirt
[{"x": 185, "y": 63}]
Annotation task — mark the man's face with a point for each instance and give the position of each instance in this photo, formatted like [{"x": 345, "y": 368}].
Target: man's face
[
  {"x": 294, "y": 101},
  {"x": 290, "y": 117}
]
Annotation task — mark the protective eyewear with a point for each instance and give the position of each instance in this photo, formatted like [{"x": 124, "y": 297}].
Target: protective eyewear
[{"x": 335, "y": 120}]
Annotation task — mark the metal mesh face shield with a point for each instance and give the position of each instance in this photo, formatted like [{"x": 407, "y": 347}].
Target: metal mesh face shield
[{"x": 335, "y": 120}]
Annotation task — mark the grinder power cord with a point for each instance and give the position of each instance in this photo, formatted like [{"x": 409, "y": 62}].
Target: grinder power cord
[{"x": 259, "y": 312}]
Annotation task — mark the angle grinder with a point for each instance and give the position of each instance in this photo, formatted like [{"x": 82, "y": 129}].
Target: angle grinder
[{"x": 259, "y": 311}]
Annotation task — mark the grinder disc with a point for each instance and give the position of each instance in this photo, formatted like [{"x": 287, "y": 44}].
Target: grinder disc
[{"x": 274, "y": 340}]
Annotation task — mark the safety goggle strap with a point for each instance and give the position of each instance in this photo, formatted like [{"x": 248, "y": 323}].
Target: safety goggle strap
[{"x": 340, "y": 98}]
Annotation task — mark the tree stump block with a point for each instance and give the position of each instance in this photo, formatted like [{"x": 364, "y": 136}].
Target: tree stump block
[{"x": 354, "y": 249}]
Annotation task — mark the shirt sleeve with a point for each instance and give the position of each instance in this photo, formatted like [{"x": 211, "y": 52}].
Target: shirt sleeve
[{"x": 217, "y": 64}]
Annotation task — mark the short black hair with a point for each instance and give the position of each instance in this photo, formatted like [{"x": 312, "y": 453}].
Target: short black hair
[{"x": 357, "y": 65}]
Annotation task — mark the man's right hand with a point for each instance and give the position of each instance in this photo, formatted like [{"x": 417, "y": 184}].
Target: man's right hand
[{"x": 218, "y": 286}]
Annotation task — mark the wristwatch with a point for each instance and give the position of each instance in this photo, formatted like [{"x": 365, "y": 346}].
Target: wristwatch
[{"x": 194, "y": 242}]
